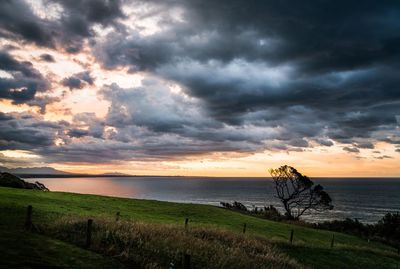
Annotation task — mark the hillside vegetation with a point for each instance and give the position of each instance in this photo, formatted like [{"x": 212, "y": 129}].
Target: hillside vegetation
[
  {"x": 12, "y": 181},
  {"x": 213, "y": 234}
]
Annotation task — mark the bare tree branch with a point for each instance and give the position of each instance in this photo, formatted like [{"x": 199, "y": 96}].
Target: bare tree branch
[{"x": 298, "y": 193}]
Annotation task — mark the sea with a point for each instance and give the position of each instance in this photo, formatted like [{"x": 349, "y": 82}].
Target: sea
[{"x": 365, "y": 199}]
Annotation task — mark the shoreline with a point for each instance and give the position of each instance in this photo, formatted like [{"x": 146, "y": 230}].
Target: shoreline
[{"x": 189, "y": 177}]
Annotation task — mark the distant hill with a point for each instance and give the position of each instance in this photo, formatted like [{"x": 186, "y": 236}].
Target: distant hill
[
  {"x": 115, "y": 174},
  {"x": 33, "y": 170}
]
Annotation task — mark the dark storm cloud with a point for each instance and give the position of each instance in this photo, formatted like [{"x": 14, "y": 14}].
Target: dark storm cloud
[
  {"x": 78, "y": 80},
  {"x": 86, "y": 140},
  {"x": 339, "y": 60},
  {"x": 351, "y": 149},
  {"x": 26, "y": 132},
  {"x": 24, "y": 81},
  {"x": 94, "y": 125},
  {"x": 68, "y": 30},
  {"x": 18, "y": 22},
  {"x": 47, "y": 58},
  {"x": 93, "y": 11},
  {"x": 394, "y": 140},
  {"x": 324, "y": 142},
  {"x": 152, "y": 111},
  {"x": 78, "y": 17},
  {"x": 255, "y": 75},
  {"x": 72, "y": 83},
  {"x": 77, "y": 133},
  {"x": 321, "y": 36},
  {"x": 365, "y": 145}
]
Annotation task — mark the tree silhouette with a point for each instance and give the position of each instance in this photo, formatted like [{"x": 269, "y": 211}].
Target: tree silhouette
[{"x": 298, "y": 193}]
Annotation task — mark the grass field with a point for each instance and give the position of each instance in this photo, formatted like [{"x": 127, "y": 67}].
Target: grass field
[{"x": 19, "y": 249}]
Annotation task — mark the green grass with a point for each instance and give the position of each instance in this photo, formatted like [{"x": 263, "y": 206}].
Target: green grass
[
  {"x": 311, "y": 247},
  {"x": 19, "y": 249}
]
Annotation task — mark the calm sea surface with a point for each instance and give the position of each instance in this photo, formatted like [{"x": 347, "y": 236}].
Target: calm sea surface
[{"x": 363, "y": 198}]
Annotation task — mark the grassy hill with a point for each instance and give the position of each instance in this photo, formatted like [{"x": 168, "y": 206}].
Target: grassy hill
[{"x": 20, "y": 249}]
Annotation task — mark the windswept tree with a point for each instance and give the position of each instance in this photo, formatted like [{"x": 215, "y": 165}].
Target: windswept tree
[{"x": 298, "y": 193}]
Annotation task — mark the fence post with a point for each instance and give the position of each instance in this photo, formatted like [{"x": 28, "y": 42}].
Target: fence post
[
  {"x": 186, "y": 261},
  {"x": 291, "y": 236},
  {"x": 186, "y": 223},
  {"x": 117, "y": 216},
  {"x": 89, "y": 233},
  {"x": 28, "y": 220},
  {"x": 333, "y": 240},
  {"x": 244, "y": 227}
]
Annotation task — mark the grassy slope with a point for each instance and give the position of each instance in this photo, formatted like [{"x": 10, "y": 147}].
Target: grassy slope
[
  {"x": 311, "y": 246},
  {"x": 21, "y": 249}
]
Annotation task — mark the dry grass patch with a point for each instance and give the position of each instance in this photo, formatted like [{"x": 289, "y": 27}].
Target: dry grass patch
[{"x": 144, "y": 245}]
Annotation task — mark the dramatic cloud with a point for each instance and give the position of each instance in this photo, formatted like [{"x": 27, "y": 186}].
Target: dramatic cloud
[
  {"x": 26, "y": 132},
  {"x": 63, "y": 24},
  {"x": 18, "y": 22},
  {"x": 171, "y": 123},
  {"x": 252, "y": 62},
  {"x": 351, "y": 149},
  {"x": 213, "y": 76},
  {"x": 22, "y": 80},
  {"x": 77, "y": 81},
  {"x": 78, "y": 18},
  {"x": 47, "y": 58}
]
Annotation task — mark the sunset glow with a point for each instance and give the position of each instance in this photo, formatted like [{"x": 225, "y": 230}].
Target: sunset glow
[{"x": 169, "y": 89}]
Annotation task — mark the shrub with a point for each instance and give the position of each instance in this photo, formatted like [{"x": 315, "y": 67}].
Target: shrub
[
  {"x": 386, "y": 230},
  {"x": 272, "y": 213},
  {"x": 389, "y": 227},
  {"x": 235, "y": 205}
]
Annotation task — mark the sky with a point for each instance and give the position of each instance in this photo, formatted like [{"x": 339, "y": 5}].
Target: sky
[{"x": 201, "y": 87}]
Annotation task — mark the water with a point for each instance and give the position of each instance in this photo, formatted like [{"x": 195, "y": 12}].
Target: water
[{"x": 365, "y": 199}]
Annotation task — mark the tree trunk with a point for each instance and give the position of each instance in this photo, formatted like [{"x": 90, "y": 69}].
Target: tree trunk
[{"x": 287, "y": 209}]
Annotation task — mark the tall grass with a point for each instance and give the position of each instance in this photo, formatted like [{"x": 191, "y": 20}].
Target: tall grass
[{"x": 144, "y": 245}]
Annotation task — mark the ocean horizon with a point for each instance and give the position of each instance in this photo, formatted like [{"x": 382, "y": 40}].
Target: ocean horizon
[{"x": 365, "y": 199}]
